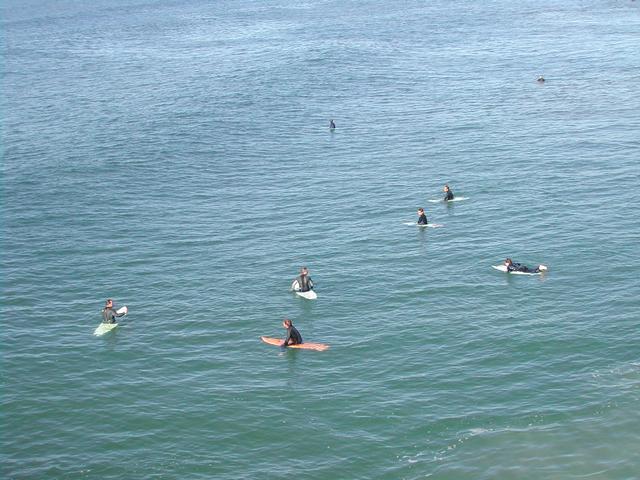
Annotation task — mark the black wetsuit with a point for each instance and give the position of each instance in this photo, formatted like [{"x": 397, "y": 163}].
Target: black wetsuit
[
  {"x": 293, "y": 337},
  {"x": 518, "y": 267},
  {"x": 109, "y": 315},
  {"x": 304, "y": 283},
  {"x": 448, "y": 196},
  {"x": 332, "y": 125},
  {"x": 422, "y": 219}
]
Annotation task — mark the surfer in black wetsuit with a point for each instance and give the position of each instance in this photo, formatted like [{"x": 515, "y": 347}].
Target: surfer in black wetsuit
[
  {"x": 448, "y": 194},
  {"x": 293, "y": 335},
  {"x": 303, "y": 282},
  {"x": 109, "y": 313},
  {"x": 518, "y": 267},
  {"x": 332, "y": 125},
  {"x": 422, "y": 218}
]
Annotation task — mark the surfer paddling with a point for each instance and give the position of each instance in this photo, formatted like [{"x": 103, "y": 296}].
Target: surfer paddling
[
  {"x": 303, "y": 282},
  {"x": 448, "y": 194},
  {"x": 109, "y": 313},
  {"x": 293, "y": 335},
  {"x": 518, "y": 267},
  {"x": 422, "y": 218}
]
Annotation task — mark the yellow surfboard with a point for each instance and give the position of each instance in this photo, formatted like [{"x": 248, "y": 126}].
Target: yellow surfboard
[{"x": 104, "y": 328}]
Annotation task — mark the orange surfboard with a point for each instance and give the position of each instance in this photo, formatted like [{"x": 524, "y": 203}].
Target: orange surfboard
[{"x": 308, "y": 346}]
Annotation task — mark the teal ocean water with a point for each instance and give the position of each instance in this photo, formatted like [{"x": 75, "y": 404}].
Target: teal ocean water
[{"x": 176, "y": 156}]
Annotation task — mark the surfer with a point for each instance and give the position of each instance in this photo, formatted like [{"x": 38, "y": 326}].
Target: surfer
[
  {"x": 448, "y": 194},
  {"x": 422, "y": 218},
  {"x": 293, "y": 335},
  {"x": 540, "y": 79},
  {"x": 303, "y": 282},
  {"x": 332, "y": 125},
  {"x": 109, "y": 313},
  {"x": 518, "y": 267}
]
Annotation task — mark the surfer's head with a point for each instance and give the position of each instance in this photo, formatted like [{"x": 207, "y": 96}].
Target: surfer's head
[
  {"x": 108, "y": 303},
  {"x": 420, "y": 211},
  {"x": 446, "y": 188},
  {"x": 286, "y": 323},
  {"x": 304, "y": 271},
  {"x": 508, "y": 261}
]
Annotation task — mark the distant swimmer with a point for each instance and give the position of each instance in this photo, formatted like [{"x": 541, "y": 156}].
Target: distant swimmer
[
  {"x": 293, "y": 335},
  {"x": 448, "y": 194},
  {"x": 332, "y": 125},
  {"x": 109, "y": 313},
  {"x": 422, "y": 218},
  {"x": 303, "y": 282},
  {"x": 541, "y": 79},
  {"x": 518, "y": 267}
]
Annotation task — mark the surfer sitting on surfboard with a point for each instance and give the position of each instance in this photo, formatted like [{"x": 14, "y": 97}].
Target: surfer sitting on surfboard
[
  {"x": 303, "y": 282},
  {"x": 448, "y": 194},
  {"x": 293, "y": 335},
  {"x": 422, "y": 218},
  {"x": 518, "y": 267},
  {"x": 109, "y": 313}
]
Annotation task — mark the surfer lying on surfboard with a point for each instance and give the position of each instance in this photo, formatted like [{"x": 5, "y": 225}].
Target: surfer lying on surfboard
[
  {"x": 303, "y": 282},
  {"x": 518, "y": 267},
  {"x": 293, "y": 335},
  {"x": 448, "y": 194},
  {"x": 109, "y": 313},
  {"x": 422, "y": 218}
]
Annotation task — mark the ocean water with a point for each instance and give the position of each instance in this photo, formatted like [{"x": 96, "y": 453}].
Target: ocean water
[{"x": 176, "y": 156}]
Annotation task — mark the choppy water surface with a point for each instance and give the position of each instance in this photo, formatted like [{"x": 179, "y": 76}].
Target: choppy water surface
[{"x": 175, "y": 155}]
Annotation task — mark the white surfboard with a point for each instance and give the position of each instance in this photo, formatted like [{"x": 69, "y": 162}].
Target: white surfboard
[
  {"x": 503, "y": 268},
  {"x": 442, "y": 200},
  {"x": 107, "y": 327},
  {"x": 429, "y": 225},
  {"x": 309, "y": 295}
]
